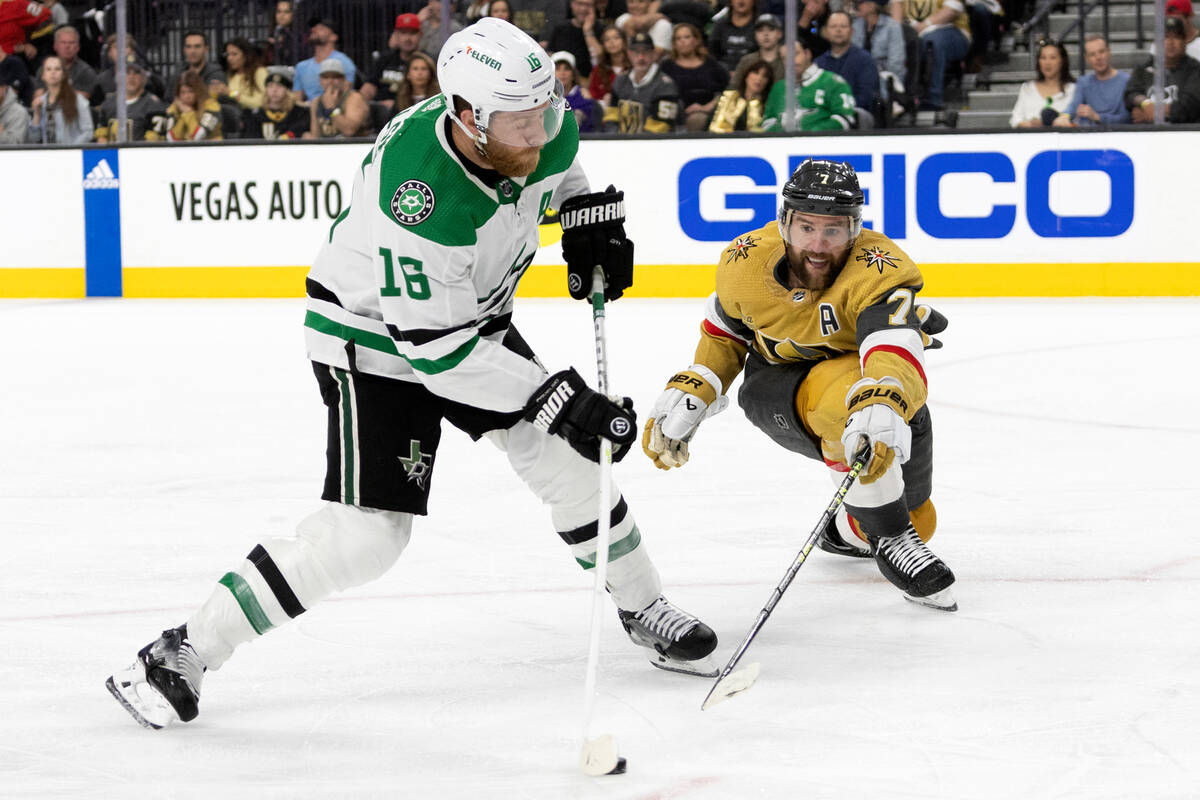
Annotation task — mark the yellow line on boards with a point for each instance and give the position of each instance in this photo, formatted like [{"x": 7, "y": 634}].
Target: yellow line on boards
[
  {"x": 214, "y": 281},
  {"x": 651, "y": 280},
  {"x": 1062, "y": 280},
  {"x": 42, "y": 282}
]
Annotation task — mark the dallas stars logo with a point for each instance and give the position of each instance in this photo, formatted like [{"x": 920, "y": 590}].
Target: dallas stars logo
[
  {"x": 418, "y": 464},
  {"x": 412, "y": 203},
  {"x": 877, "y": 258},
  {"x": 741, "y": 248}
]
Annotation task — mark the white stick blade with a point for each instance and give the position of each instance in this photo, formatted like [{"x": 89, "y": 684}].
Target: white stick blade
[
  {"x": 599, "y": 755},
  {"x": 734, "y": 683}
]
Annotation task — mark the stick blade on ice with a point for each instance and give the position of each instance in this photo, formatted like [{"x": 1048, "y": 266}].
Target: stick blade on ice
[
  {"x": 735, "y": 682},
  {"x": 599, "y": 755}
]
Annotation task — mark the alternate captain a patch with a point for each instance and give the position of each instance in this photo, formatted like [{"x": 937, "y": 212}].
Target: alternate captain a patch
[
  {"x": 741, "y": 248},
  {"x": 412, "y": 203},
  {"x": 875, "y": 257}
]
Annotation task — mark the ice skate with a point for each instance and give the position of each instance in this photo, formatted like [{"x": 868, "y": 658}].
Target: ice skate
[
  {"x": 679, "y": 641},
  {"x": 832, "y": 540},
  {"x": 163, "y": 685},
  {"x": 915, "y": 570}
]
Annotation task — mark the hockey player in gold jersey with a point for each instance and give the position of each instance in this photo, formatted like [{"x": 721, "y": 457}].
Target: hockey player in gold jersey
[{"x": 821, "y": 318}]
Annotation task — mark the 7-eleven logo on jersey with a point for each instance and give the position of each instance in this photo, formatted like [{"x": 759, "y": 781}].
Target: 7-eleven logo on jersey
[{"x": 418, "y": 465}]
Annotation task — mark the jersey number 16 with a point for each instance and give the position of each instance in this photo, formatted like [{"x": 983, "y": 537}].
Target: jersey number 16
[{"x": 415, "y": 282}]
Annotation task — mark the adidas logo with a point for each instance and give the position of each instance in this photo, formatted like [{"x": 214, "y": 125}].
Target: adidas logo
[{"x": 101, "y": 177}]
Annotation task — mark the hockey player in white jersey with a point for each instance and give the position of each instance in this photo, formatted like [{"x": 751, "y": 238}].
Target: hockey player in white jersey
[{"x": 409, "y": 323}]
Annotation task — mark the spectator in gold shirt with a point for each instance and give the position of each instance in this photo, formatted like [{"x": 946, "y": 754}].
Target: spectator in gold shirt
[
  {"x": 193, "y": 116},
  {"x": 247, "y": 76}
]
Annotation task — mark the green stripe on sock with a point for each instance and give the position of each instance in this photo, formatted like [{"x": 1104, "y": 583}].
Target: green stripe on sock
[
  {"x": 348, "y": 450},
  {"x": 245, "y": 597},
  {"x": 616, "y": 549}
]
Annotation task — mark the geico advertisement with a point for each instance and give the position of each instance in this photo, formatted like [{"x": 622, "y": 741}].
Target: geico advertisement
[
  {"x": 944, "y": 198},
  {"x": 960, "y": 198}
]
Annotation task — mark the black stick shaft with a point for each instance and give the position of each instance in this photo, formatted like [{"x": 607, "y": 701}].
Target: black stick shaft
[{"x": 860, "y": 461}]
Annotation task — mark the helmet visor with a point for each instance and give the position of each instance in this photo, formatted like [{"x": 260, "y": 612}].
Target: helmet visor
[
  {"x": 531, "y": 128},
  {"x": 816, "y": 232}
]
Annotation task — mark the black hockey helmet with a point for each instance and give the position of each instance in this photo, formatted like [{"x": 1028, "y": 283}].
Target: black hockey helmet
[{"x": 827, "y": 188}]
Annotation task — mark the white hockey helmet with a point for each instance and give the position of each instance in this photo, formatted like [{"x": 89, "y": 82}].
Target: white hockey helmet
[{"x": 507, "y": 79}]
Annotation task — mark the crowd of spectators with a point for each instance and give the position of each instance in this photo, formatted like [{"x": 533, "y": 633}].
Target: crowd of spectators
[
  {"x": 1109, "y": 96},
  {"x": 627, "y": 66}
]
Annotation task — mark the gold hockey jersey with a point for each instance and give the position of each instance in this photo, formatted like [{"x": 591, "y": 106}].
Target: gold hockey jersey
[{"x": 870, "y": 308}]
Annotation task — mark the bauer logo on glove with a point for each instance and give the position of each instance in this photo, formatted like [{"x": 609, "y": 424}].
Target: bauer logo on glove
[
  {"x": 687, "y": 380},
  {"x": 879, "y": 394},
  {"x": 690, "y": 397}
]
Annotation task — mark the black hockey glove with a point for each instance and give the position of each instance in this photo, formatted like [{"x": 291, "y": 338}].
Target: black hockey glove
[
  {"x": 932, "y": 322},
  {"x": 594, "y": 236},
  {"x": 565, "y": 406}
]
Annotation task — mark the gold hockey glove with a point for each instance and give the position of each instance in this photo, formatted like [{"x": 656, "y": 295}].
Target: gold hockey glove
[
  {"x": 877, "y": 411},
  {"x": 690, "y": 397}
]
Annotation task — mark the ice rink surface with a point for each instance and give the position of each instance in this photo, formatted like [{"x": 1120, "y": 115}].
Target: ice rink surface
[{"x": 149, "y": 445}]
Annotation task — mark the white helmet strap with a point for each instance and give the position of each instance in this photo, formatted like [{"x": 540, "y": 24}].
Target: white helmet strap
[{"x": 479, "y": 137}]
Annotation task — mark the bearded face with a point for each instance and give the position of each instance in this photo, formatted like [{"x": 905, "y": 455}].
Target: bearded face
[
  {"x": 817, "y": 248},
  {"x": 513, "y": 162}
]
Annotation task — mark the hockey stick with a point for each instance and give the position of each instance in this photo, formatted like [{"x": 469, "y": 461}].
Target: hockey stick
[
  {"x": 729, "y": 682},
  {"x": 599, "y": 754}
]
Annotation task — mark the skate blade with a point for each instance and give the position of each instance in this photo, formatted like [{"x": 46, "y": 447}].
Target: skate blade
[
  {"x": 848, "y": 551},
  {"x": 939, "y": 601},
  {"x": 701, "y": 667},
  {"x": 735, "y": 682},
  {"x": 144, "y": 704}
]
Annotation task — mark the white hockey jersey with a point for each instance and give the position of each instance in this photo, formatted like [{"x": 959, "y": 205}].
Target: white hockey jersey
[{"x": 418, "y": 273}]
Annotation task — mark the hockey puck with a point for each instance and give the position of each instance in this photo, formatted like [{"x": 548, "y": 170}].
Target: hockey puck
[{"x": 619, "y": 769}]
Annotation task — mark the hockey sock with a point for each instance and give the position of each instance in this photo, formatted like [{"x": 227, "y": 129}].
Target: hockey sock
[
  {"x": 889, "y": 519},
  {"x": 633, "y": 581},
  {"x": 334, "y": 549},
  {"x": 924, "y": 520}
]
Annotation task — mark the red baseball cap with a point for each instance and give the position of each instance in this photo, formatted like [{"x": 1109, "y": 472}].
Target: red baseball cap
[
  {"x": 408, "y": 22},
  {"x": 1182, "y": 8}
]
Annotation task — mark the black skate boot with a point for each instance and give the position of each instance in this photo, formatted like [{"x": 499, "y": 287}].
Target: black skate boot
[
  {"x": 914, "y": 569},
  {"x": 830, "y": 540},
  {"x": 163, "y": 684},
  {"x": 680, "y": 642}
]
